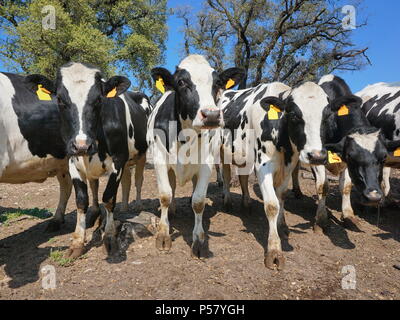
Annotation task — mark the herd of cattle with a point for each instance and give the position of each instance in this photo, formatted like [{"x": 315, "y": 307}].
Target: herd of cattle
[{"x": 81, "y": 127}]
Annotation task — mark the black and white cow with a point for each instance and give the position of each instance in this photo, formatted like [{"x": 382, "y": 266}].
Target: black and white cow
[
  {"x": 188, "y": 105},
  {"x": 381, "y": 104},
  {"x": 360, "y": 145},
  {"x": 31, "y": 147},
  {"x": 286, "y": 125},
  {"x": 104, "y": 129}
]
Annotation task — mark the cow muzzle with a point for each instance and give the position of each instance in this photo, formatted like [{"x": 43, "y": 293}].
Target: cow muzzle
[
  {"x": 317, "y": 157},
  {"x": 211, "y": 118},
  {"x": 372, "y": 198},
  {"x": 82, "y": 148}
]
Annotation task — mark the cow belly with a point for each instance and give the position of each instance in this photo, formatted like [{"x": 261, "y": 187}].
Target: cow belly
[{"x": 33, "y": 170}]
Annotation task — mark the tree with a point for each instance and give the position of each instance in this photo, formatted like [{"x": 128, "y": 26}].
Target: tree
[
  {"x": 274, "y": 40},
  {"x": 115, "y": 35}
]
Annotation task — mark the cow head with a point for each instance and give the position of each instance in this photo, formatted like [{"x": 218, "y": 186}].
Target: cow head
[
  {"x": 198, "y": 88},
  {"x": 305, "y": 111},
  {"x": 80, "y": 93},
  {"x": 364, "y": 150}
]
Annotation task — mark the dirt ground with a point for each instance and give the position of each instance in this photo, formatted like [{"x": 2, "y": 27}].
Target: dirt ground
[{"x": 235, "y": 269}]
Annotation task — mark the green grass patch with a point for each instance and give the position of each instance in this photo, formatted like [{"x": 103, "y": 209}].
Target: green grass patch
[
  {"x": 57, "y": 256},
  {"x": 7, "y": 217}
]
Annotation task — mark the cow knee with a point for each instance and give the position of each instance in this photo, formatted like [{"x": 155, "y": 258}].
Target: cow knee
[
  {"x": 165, "y": 199},
  {"x": 272, "y": 209},
  {"x": 198, "y": 206}
]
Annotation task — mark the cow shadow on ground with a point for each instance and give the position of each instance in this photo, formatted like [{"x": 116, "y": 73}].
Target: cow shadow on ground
[
  {"x": 306, "y": 207},
  {"x": 254, "y": 221},
  {"x": 386, "y": 218},
  {"x": 21, "y": 254}
]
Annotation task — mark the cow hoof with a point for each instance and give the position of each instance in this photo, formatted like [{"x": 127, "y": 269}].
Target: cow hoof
[
  {"x": 297, "y": 193},
  {"x": 53, "y": 226},
  {"x": 75, "y": 252},
  {"x": 110, "y": 245},
  {"x": 352, "y": 223},
  {"x": 163, "y": 242},
  {"x": 199, "y": 249},
  {"x": 274, "y": 259}
]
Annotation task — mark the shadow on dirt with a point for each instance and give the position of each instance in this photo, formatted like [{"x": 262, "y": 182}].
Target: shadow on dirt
[
  {"x": 20, "y": 253},
  {"x": 255, "y": 221},
  {"x": 306, "y": 208}
]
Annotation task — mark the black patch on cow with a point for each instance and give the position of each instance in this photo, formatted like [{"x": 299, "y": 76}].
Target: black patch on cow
[
  {"x": 167, "y": 112},
  {"x": 81, "y": 194},
  {"x": 336, "y": 88},
  {"x": 130, "y": 131},
  {"x": 39, "y": 121}
]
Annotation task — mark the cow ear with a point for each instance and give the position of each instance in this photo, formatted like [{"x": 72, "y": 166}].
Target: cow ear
[
  {"x": 392, "y": 146},
  {"x": 33, "y": 82},
  {"x": 343, "y": 104},
  {"x": 116, "y": 86},
  {"x": 232, "y": 77},
  {"x": 269, "y": 102},
  {"x": 163, "y": 79},
  {"x": 336, "y": 147}
]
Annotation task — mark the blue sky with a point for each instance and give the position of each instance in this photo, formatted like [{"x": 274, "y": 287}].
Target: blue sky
[{"x": 382, "y": 36}]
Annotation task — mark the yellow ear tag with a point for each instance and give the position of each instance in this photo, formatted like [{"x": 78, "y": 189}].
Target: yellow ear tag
[
  {"x": 43, "y": 93},
  {"x": 112, "y": 93},
  {"x": 230, "y": 84},
  {"x": 160, "y": 85},
  {"x": 343, "y": 111},
  {"x": 273, "y": 112},
  {"x": 397, "y": 152},
  {"x": 333, "y": 158}
]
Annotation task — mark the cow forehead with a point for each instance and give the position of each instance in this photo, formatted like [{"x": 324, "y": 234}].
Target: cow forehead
[
  {"x": 310, "y": 99},
  {"x": 199, "y": 69},
  {"x": 366, "y": 141},
  {"x": 78, "y": 79}
]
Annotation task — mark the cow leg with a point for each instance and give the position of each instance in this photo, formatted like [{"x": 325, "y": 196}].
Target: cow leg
[
  {"x": 109, "y": 200},
  {"x": 82, "y": 203},
  {"x": 95, "y": 208},
  {"x": 386, "y": 185},
  {"x": 274, "y": 256},
  {"x": 226, "y": 173},
  {"x": 322, "y": 186},
  {"x": 220, "y": 180},
  {"x": 199, "y": 246},
  {"x": 163, "y": 239},
  {"x": 139, "y": 171},
  {"x": 348, "y": 217},
  {"x": 126, "y": 188},
  {"x": 172, "y": 183},
  {"x": 244, "y": 184},
  {"x": 295, "y": 181},
  {"x": 64, "y": 179}
]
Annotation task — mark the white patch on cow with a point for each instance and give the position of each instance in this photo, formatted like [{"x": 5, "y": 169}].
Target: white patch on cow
[
  {"x": 311, "y": 100},
  {"x": 152, "y": 117},
  {"x": 78, "y": 80},
  {"x": 366, "y": 141},
  {"x": 201, "y": 75},
  {"x": 326, "y": 78}
]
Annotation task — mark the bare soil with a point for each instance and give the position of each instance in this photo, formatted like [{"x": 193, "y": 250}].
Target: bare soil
[{"x": 235, "y": 268}]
